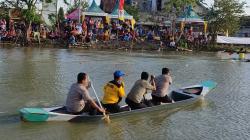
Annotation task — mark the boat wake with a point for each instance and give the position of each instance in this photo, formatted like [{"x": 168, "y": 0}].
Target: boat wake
[{"x": 6, "y": 119}]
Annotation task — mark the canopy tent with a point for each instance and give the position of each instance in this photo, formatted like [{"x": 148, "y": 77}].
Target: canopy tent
[
  {"x": 150, "y": 23},
  {"x": 190, "y": 16},
  {"x": 95, "y": 10},
  {"x": 74, "y": 15},
  {"x": 115, "y": 12}
]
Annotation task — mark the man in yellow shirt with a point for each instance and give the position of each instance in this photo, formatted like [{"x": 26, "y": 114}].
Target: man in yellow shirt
[{"x": 113, "y": 93}]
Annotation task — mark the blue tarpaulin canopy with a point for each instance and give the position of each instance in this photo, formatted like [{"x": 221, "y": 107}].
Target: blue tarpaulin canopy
[{"x": 190, "y": 16}]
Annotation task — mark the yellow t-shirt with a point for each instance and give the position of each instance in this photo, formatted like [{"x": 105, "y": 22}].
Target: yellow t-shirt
[
  {"x": 112, "y": 93},
  {"x": 241, "y": 56}
]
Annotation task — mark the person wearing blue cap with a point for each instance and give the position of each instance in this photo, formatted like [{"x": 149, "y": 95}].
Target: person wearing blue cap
[{"x": 113, "y": 93}]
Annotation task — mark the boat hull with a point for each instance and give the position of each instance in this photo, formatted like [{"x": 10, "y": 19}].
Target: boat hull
[{"x": 182, "y": 97}]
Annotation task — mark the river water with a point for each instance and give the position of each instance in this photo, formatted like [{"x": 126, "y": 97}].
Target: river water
[{"x": 37, "y": 77}]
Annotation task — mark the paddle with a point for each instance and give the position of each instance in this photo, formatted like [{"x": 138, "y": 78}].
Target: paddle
[{"x": 105, "y": 116}]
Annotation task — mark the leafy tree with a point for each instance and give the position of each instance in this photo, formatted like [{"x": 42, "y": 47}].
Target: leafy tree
[
  {"x": 75, "y": 5},
  {"x": 66, "y": 2},
  {"x": 52, "y": 18},
  {"x": 177, "y": 6},
  {"x": 134, "y": 11},
  {"x": 225, "y": 16},
  {"x": 28, "y": 9},
  {"x": 61, "y": 15}
]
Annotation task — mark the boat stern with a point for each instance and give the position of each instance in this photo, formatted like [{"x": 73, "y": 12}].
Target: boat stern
[
  {"x": 208, "y": 86},
  {"x": 34, "y": 114}
]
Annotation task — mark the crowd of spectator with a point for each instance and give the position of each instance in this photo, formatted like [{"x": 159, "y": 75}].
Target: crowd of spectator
[{"x": 93, "y": 30}]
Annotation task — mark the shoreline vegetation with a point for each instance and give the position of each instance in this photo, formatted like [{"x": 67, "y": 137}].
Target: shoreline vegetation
[{"x": 123, "y": 45}]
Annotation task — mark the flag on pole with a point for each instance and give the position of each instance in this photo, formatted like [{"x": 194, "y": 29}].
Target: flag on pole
[
  {"x": 205, "y": 27},
  {"x": 121, "y": 10},
  {"x": 133, "y": 23},
  {"x": 182, "y": 25}
]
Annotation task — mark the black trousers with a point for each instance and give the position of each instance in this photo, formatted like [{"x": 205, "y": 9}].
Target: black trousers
[
  {"x": 112, "y": 108},
  {"x": 158, "y": 100},
  {"x": 134, "y": 105}
]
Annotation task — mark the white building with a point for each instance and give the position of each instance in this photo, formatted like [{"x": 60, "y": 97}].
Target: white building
[
  {"x": 49, "y": 9},
  {"x": 153, "y": 10}
]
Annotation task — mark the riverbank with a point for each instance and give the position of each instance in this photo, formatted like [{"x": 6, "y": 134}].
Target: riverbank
[{"x": 122, "y": 45}]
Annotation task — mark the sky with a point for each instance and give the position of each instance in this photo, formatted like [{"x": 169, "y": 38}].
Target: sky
[{"x": 209, "y": 2}]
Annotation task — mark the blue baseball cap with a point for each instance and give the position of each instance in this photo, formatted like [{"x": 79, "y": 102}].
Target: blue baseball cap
[{"x": 119, "y": 73}]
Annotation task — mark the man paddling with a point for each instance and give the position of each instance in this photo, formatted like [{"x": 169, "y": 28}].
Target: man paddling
[
  {"x": 162, "y": 86},
  {"x": 79, "y": 100},
  {"x": 136, "y": 94},
  {"x": 113, "y": 92}
]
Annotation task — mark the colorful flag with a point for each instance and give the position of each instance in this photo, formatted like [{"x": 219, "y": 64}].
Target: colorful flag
[
  {"x": 121, "y": 10},
  {"x": 205, "y": 27},
  {"x": 133, "y": 23}
]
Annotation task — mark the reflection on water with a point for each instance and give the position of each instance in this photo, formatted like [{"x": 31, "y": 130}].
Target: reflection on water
[{"x": 37, "y": 77}]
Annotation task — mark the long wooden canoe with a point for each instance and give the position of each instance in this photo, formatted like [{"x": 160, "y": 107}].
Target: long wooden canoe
[{"x": 181, "y": 97}]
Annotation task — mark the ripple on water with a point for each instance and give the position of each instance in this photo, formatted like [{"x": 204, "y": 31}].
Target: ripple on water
[{"x": 41, "y": 77}]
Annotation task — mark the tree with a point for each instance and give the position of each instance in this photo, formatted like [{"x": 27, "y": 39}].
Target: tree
[
  {"x": 28, "y": 9},
  {"x": 134, "y": 11},
  {"x": 75, "y": 5},
  {"x": 178, "y": 6},
  {"x": 60, "y": 15},
  {"x": 225, "y": 16},
  {"x": 52, "y": 19}
]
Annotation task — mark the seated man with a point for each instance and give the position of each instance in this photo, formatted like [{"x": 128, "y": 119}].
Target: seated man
[
  {"x": 79, "y": 100},
  {"x": 136, "y": 94},
  {"x": 72, "y": 40},
  {"x": 162, "y": 85},
  {"x": 113, "y": 93}
]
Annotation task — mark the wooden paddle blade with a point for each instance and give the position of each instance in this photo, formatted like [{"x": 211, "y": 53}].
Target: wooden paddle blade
[{"x": 106, "y": 118}]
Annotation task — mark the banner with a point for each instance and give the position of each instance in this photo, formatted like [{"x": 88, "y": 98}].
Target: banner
[
  {"x": 107, "y": 19},
  {"x": 133, "y": 23},
  {"x": 205, "y": 27},
  {"x": 233, "y": 40},
  {"x": 121, "y": 10},
  {"x": 74, "y": 15}
]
